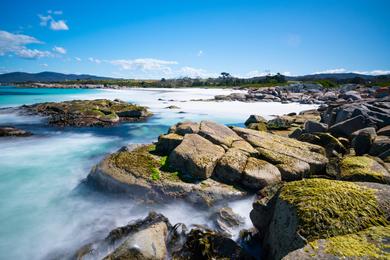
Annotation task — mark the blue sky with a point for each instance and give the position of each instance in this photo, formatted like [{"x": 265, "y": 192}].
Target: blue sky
[{"x": 154, "y": 39}]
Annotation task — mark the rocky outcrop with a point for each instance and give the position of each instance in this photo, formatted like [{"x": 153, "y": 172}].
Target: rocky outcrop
[
  {"x": 142, "y": 174},
  {"x": 13, "y": 131},
  {"x": 195, "y": 157},
  {"x": 226, "y": 220},
  {"x": 79, "y": 113},
  {"x": 297, "y": 213}
]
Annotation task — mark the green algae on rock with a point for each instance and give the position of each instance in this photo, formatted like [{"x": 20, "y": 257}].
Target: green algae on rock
[
  {"x": 140, "y": 173},
  {"x": 304, "y": 211},
  {"x": 363, "y": 168},
  {"x": 99, "y": 112},
  {"x": 371, "y": 243}
]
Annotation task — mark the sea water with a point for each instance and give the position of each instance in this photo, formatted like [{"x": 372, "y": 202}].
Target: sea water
[{"x": 45, "y": 210}]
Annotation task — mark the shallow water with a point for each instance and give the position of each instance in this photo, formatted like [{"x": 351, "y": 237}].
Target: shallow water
[{"x": 45, "y": 212}]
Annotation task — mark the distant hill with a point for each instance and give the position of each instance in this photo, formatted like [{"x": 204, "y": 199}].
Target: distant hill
[
  {"x": 335, "y": 76},
  {"x": 46, "y": 76}
]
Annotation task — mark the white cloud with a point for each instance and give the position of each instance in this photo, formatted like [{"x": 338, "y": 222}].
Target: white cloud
[
  {"x": 54, "y": 24},
  {"x": 342, "y": 70},
  {"x": 16, "y": 44},
  {"x": 44, "y": 65},
  {"x": 58, "y": 25},
  {"x": 200, "y": 53},
  {"x": 146, "y": 64},
  {"x": 44, "y": 19},
  {"x": 195, "y": 73},
  {"x": 59, "y": 50},
  {"x": 77, "y": 58},
  {"x": 97, "y": 61}
]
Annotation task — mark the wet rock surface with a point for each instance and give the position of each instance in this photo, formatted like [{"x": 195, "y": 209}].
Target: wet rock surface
[{"x": 13, "y": 131}]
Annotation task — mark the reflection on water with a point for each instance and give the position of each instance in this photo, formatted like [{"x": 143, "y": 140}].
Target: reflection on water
[{"x": 45, "y": 212}]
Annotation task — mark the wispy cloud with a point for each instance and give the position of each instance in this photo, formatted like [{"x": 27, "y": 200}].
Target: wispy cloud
[
  {"x": 145, "y": 64},
  {"x": 365, "y": 72},
  {"x": 200, "y": 53},
  {"x": 56, "y": 25},
  {"x": 97, "y": 61},
  {"x": 16, "y": 44},
  {"x": 195, "y": 73},
  {"x": 77, "y": 58},
  {"x": 60, "y": 50}
]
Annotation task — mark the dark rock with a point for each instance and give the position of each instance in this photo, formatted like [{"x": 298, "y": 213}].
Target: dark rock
[
  {"x": 255, "y": 119},
  {"x": 347, "y": 127},
  {"x": 13, "y": 131},
  {"x": 380, "y": 145},
  {"x": 296, "y": 133},
  {"x": 363, "y": 140},
  {"x": 278, "y": 123},
  {"x": 226, "y": 220},
  {"x": 313, "y": 126}
]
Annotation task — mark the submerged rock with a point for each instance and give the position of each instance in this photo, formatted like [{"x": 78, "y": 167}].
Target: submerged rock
[
  {"x": 99, "y": 112},
  {"x": 226, "y": 220},
  {"x": 13, "y": 131}
]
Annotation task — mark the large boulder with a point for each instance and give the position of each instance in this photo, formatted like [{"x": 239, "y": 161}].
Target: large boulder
[
  {"x": 195, "y": 157},
  {"x": 380, "y": 146},
  {"x": 384, "y": 131},
  {"x": 279, "y": 123},
  {"x": 363, "y": 168},
  {"x": 258, "y": 173},
  {"x": 254, "y": 119},
  {"x": 302, "y": 212},
  {"x": 293, "y": 158},
  {"x": 143, "y": 175},
  {"x": 186, "y": 127},
  {"x": 217, "y": 133}
]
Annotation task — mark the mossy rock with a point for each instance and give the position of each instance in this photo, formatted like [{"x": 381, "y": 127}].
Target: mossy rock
[
  {"x": 99, "y": 112},
  {"x": 363, "y": 168},
  {"x": 372, "y": 243},
  {"x": 311, "y": 209},
  {"x": 142, "y": 174}
]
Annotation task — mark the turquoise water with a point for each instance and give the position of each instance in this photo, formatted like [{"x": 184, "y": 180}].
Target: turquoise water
[{"x": 45, "y": 210}]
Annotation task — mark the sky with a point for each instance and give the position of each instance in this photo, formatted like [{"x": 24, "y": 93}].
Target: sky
[{"x": 196, "y": 38}]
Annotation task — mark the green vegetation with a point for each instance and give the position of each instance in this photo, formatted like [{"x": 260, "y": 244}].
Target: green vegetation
[
  {"x": 328, "y": 208},
  {"x": 360, "y": 168}
]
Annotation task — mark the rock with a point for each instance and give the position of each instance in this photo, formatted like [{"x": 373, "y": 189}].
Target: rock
[
  {"x": 258, "y": 174},
  {"x": 186, "y": 127},
  {"x": 380, "y": 145},
  {"x": 347, "y": 127},
  {"x": 253, "y": 119},
  {"x": 296, "y": 133},
  {"x": 370, "y": 243},
  {"x": 362, "y": 141},
  {"x": 245, "y": 147},
  {"x": 258, "y": 126},
  {"x": 384, "y": 131},
  {"x": 293, "y": 158},
  {"x": 363, "y": 168},
  {"x": 301, "y": 212},
  {"x": 218, "y": 134},
  {"x": 368, "y": 130},
  {"x": 143, "y": 175},
  {"x": 351, "y": 95},
  {"x": 229, "y": 169},
  {"x": 196, "y": 156},
  {"x": 140, "y": 239},
  {"x": 278, "y": 123},
  {"x": 80, "y": 113},
  {"x": 207, "y": 244},
  {"x": 13, "y": 131},
  {"x": 166, "y": 143},
  {"x": 172, "y": 107},
  {"x": 313, "y": 127},
  {"x": 145, "y": 243},
  {"x": 326, "y": 140},
  {"x": 226, "y": 220}
]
